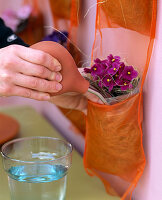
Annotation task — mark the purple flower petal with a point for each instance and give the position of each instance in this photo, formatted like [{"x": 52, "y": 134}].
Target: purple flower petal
[
  {"x": 121, "y": 68},
  {"x": 87, "y": 70},
  {"x": 113, "y": 69},
  {"x": 97, "y": 60},
  {"x": 108, "y": 82},
  {"x": 126, "y": 86},
  {"x": 97, "y": 70},
  {"x": 117, "y": 58},
  {"x": 112, "y": 58},
  {"x": 129, "y": 73}
]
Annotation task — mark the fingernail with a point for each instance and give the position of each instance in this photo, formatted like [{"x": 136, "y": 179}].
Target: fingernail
[
  {"x": 52, "y": 77},
  {"x": 58, "y": 68},
  {"x": 47, "y": 97},
  {"x": 58, "y": 77},
  {"x": 58, "y": 86},
  {"x": 57, "y": 64}
]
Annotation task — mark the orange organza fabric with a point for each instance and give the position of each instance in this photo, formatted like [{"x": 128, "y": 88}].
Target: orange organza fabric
[
  {"x": 123, "y": 13},
  {"x": 122, "y": 138},
  {"x": 77, "y": 118},
  {"x": 61, "y": 8},
  {"x": 65, "y": 17},
  {"x": 113, "y": 141},
  {"x": 66, "y": 12},
  {"x": 114, "y": 150},
  {"x": 34, "y": 32}
]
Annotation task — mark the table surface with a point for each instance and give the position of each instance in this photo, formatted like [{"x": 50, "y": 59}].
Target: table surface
[{"x": 80, "y": 185}]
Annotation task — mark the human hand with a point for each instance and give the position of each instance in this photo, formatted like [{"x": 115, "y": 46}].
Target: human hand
[
  {"x": 28, "y": 73},
  {"x": 73, "y": 100}
]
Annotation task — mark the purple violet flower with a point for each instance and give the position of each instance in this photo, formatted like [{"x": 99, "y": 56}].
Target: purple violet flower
[
  {"x": 129, "y": 73},
  {"x": 97, "y": 70},
  {"x": 110, "y": 73},
  {"x": 87, "y": 70},
  {"x": 112, "y": 59},
  {"x": 118, "y": 75},
  {"x": 113, "y": 68},
  {"x": 97, "y": 60},
  {"x": 125, "y": 84},
  {"x": 121, "y": 68},
  {"x": 108, "y": 81},
  {"x": 105, "y": 63}
]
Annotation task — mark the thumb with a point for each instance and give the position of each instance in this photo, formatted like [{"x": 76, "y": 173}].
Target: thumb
[{"x": 93, "y": 98}]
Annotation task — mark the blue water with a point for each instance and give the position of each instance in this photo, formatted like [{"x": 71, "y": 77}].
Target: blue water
[
  {"x": 37, "y": 182},
  {"x": 37, "y": 173}
]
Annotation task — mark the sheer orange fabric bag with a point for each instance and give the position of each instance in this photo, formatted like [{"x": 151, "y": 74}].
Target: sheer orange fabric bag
[
  {"x": 66, "y": 12},
  {"x": 65, "y": 17},
  {"x": 114, "y": 150},
  {"x": 135, "y": 15},
  {"x": 61, "y": 8}
]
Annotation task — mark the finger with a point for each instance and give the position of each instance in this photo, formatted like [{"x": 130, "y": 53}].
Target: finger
[
  {"x": 24, "y": 92},
  {"x": 37, "y": 83},
  {"x": 40, "y": 71},
  {"x": 38, "y": 57}
]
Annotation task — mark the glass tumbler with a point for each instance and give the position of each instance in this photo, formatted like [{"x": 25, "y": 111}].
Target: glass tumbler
[{"x": 37, "y": 167}]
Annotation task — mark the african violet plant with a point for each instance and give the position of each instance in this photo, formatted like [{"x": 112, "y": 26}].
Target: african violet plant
[{"x": 111, "y": 77}]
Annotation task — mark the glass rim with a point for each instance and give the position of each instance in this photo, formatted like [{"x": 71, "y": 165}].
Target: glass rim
[{"x": 35, "y": 137}]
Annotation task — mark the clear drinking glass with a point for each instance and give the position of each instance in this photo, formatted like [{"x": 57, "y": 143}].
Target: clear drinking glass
[{"x": 37, "y": 167}]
